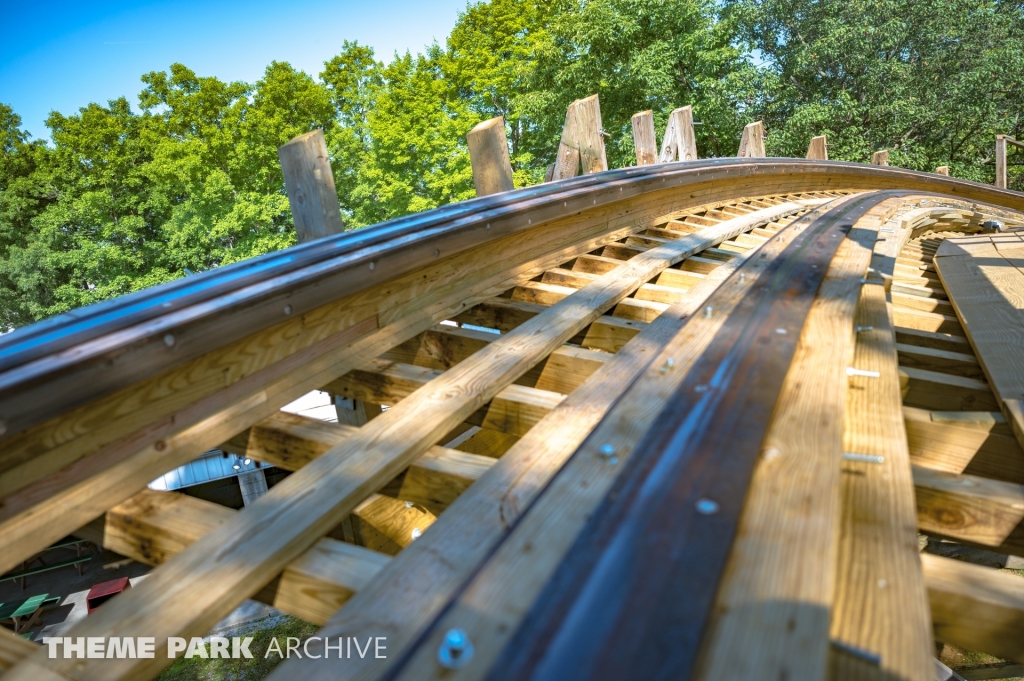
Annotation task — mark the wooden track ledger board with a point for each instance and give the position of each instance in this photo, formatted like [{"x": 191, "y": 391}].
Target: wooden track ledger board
[{"x": 983, "y": 277}]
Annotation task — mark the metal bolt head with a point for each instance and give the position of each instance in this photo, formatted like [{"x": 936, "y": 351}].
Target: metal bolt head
[
  {"x": 607, "y": 454},
  {"x": 706, "y": 507},
  {"x": 169, "y": 340},
  {"x": 456, "y": 649},
  {"x": 287, "y": 309},
  {"x": 709, "y": 312},
  {"x": 416, "y": 533}
]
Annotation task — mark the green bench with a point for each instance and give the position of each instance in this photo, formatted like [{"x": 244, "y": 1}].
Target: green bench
[
  {"x": 24, "y": 614},
  {"x": 46, "y": 568}
]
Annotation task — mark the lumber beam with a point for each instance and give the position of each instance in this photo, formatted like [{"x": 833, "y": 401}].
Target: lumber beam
[
  {"x": 944, "y": 392},
  {"x": 942, "y": 170},
  {"x": 152, "y": 527},
  {"x": 976, "y": 608},
  {"x": 310, "y": 185},
  {"x": 880, "y": 603},
  {"x": 971, "y": 509},
  {"x": 680, "y": 142},
  {"x": 959, "y": 446},
  {"x": 818, "y": 148},
  {"x": 752, "y": 141},
  {"x": 488, "y": 155},
  {"x": 880, "y": 158},
  {"x": 644, "y": 141}
]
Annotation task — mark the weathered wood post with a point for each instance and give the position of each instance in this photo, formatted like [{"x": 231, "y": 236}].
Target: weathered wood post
[
  {"x": 818, "y": 148},
  {"x": 1001, "y": 161},
  {"x": 314, "y": 202},
  {"x": 942, "y": 170},
  {"x": 752, "y": 142},
  {"x": 880, "y": 158},
  {"x": 310, "y": 186},
  {"x": 582, "y": 140},
  {"x": 644, "y": 138},
  {"x": 488, "y": 154},
  {"x": 680, "y": 142}
]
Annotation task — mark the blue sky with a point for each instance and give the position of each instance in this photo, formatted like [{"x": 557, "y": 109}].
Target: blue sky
[{"x": 61, "y": 55}]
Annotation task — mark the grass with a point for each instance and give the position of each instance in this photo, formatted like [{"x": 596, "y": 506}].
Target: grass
[{"x": 259, "y": 667}]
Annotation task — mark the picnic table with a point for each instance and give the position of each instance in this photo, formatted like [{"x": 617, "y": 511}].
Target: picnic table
[{"x": 24, "y": 614}]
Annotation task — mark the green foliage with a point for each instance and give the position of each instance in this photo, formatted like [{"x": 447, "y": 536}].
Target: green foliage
[
  {"x": 932, "y": 81},
  {"x": 123, "y": 199}
]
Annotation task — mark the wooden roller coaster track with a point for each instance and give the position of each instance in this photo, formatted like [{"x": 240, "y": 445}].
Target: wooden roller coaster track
[{"x": 679, "y": 420}]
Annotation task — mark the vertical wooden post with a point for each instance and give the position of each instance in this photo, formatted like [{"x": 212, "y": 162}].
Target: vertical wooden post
[
  {"x": 488, "y": 154},
  {"x": 314, "y": 203},
  {"x": 880, "y": 158},
  {"x": 1001, "y": 161},
  {"x": 818, "y": 148},
  {"x": 310, "y": 186},
  {"x": 942, "y": 170},
  {"x": 582, "y": 140},
  {"x": 644, "y": 139},
  {"x": 752, "y": 142},
  {"x": 680, "y": 142}
]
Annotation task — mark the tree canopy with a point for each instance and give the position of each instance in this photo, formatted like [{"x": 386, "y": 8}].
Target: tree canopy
[{"x": 124, "y": 198}]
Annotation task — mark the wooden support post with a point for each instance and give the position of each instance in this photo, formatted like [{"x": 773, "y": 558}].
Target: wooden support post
[
  {"x": 818, "y": 148},
  {"x": 680, "y": 142},
  {"x": 310, "y": 185},
  {"x": 942, "y": 170},
  {"x": 1001, "y": 161},
  {"x": 582, "y": 140},
  {"x": 488, "y": 153},
  {"x": 644, "y": 139},
  {"x": 752, "y": 142},
  {"x": 314, "y": 204},
  {"x": 880, "y": 158}
]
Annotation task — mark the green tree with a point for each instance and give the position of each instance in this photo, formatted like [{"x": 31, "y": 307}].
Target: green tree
[{"x": 933, "y": 81}]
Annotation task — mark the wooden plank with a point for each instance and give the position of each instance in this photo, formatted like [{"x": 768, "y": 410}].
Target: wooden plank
[
  {"x": 880, "y": 158},
  {"x": 488, "y": 154},
  {"x": 388, "y": 525},
  {"x": 644, "y": 140},
  {"x": 567, "y": 160},
  {"x": 880, "y": 600},
  {"x": 13, "y": 649},
  {"x": 971, "y": 509},
  {"x": 942, "y": 170},
  {"x": 152, "y": 527},
  {"x": 945, "y": 446},
  {"x": 818, "y": 148},
  {"x": 987, "y": 291},
  {"x": 233, "y": 561},
  {"x": 310, "y": 185},
  {"x": 436, "y": 481},
  {"x": 998, "y": 670},
  {"x": 406, "y": 598},
  {"x": 752, "y": 141},
  {"x": 680, "y": 142},
  {"x": 976, "y": 608},
  {"x": 944, "y": 392},
  {"x": 930, "y": 359},
  {"x": 777, "y": 593}
]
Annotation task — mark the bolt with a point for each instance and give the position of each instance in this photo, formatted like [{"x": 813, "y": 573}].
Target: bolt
[
  {"x": 851, "y": 371},
  {"x": 781, "y": 332},
  {"x": 408, "y": 504},
  {"x": 456, "y": 649},
  {"x": 287, "y": 309},
  {"x": 669, "y": 363},
  {"x": 709, "y": 312},
  {"x": 416, "y": 533},
  {"x": 706, "y": 507},
  {"x": 372, "y": 265},
  {"x": 169, "y": 340},
  {"x": 607, "y": 454},
  {"x": 866, "y": 458},
  {"x": 861, "y": 329}
]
